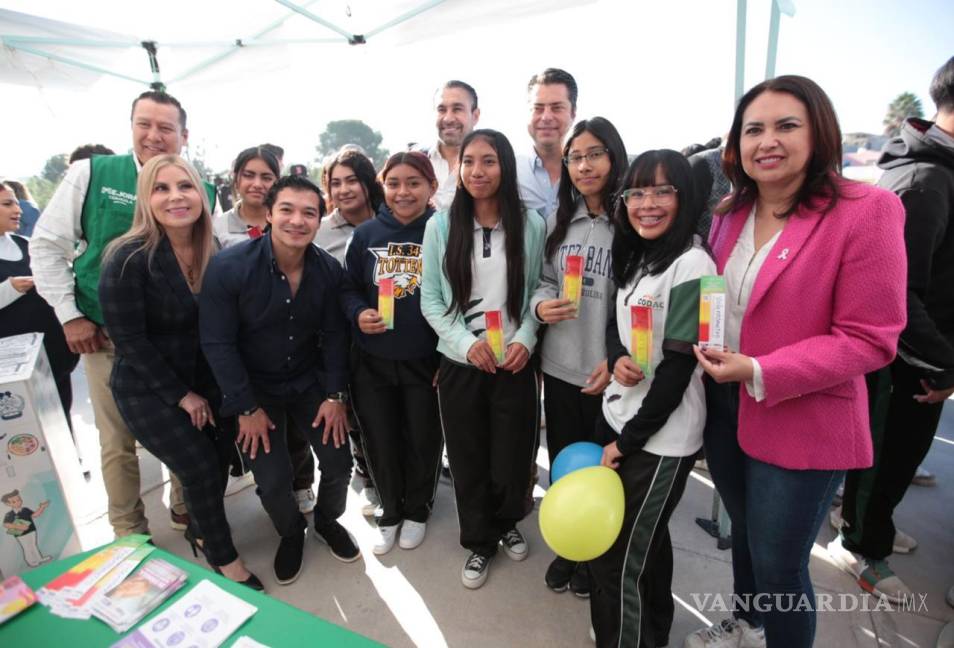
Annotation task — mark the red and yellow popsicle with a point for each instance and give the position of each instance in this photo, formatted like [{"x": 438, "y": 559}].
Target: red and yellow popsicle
[
  {"x": 641, "y": 332},
  {"x": 493, "y": 321},
  {"x": 712, "y": 312},
  {"x": 386, "y": 301},
  {"x": 573, "y": 280}
]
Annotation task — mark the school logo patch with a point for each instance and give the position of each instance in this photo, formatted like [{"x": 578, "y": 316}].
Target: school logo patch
[{"x": 403, "y": 262}]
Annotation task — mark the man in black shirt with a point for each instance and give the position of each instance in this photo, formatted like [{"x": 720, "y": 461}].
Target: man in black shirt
[{"x": 273, "y": 332}]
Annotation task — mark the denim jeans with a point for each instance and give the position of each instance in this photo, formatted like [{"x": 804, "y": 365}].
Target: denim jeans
[{"x": 776, "y": 514}]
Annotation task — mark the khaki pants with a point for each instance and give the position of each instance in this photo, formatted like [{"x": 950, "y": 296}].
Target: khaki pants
[{"x": 120, "y": 465}]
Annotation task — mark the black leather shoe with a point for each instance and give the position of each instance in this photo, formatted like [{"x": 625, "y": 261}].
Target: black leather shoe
[
  {"x": 559, "y": 573},
  {"x": 288, "y": 558}
]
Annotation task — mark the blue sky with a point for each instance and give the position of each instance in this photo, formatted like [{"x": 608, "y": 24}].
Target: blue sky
[{"x": 662, "y": 72}]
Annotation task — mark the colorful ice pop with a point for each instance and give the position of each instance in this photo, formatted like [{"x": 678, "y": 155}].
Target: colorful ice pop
[
  {"x": 573, "y": 281},
  {"x": 712, "y": 312},
  {"x": 641, "y": 332},
  {"x": 386, "y": 301},
  {"x": 493, "y": 321}
]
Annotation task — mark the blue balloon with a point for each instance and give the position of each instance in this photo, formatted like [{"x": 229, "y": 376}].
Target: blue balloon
[{"x": 581, "y": 454}]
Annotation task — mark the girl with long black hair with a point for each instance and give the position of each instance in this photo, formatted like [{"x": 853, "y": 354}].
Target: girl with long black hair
[
  {"x": 486, "y": 254},
  {"x": 573, "y": 356}
]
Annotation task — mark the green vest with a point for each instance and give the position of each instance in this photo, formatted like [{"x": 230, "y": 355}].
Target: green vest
[{"x": 107, "y": 213}]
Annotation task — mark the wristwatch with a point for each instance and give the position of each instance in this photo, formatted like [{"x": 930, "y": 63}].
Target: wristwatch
[
  {"x": 249, "y": 412},
  {"x": 338, "y": 397}
]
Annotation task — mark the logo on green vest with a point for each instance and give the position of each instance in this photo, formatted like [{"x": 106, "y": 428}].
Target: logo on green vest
[{"x": 119, "y": 197}]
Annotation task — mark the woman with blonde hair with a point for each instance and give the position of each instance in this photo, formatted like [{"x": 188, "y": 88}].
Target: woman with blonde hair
[{"x": 162, "y": 384}]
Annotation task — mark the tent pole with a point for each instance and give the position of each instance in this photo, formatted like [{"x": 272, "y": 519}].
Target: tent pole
[
  {"x": 318, "y": 19},
  {"x": 772, "y": 40},
  {"x": 406, "y": 16},
  {"x": 70, "y": 42},
  {"x": 239, "y": 44},
  {"x": 67, "y": 61},
  {"x": 740, "y": 11}
]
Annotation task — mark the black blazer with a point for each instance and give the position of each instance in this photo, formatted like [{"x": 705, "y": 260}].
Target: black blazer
[{"x": 153, "y": 320}]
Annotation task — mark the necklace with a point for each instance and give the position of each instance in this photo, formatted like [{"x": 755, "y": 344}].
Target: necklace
[{"x": 187, "y": 268}]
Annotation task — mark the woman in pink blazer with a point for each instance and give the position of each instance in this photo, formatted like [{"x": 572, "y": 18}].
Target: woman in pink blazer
[{"x": 815, "y": 276}]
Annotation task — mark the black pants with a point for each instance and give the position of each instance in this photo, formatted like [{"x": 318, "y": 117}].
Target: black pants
[
  {"x": 902, "y": 431},
  {"x": 397, "y": 411},
  {"x": 200, "y": 459},
  {"x": 490, "y": 428},
  {"x": 571, "y": 415},
  {"x": 631, "y": 584},
  {"x": 303, "y": 461},
  {"x": 274, "y": 471}
]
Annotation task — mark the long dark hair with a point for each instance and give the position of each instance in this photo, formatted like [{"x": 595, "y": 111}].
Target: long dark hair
[
  {"x": 607, "y": 134},
  {"x": 460, "y": 237},
  {"x": 821, "y": 185},
  {"x": 254, "y": 153},
  {"x": 632, "y": 252},
  {"x": 363, "y": 169}
]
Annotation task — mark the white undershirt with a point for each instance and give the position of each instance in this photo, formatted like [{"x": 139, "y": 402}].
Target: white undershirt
[
  {"x": 741, "y": 271},
  {"x": 9, "y": 251}
]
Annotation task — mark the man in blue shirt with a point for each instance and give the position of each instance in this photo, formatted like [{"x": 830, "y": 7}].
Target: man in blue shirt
[
  {"x": 552, "y": 99},
  {"x": 273, "y": 332}
]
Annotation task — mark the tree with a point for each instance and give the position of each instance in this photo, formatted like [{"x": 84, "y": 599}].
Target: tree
[
  {"x": 904, "y": 105},
  {"x": 41, "y": 189},
  {"x": 197, "y": 157},
  {"x": 352, "y": 131},
  {"x": 55, "y": 168}
]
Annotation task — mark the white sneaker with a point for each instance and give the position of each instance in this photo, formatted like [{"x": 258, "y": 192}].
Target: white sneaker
[
  {"x": 371, "y": 501},
  {"x": 731, "y": 633},
  {"x": 240, "y": 483},
  {"x": 475, "y": 571},
  {"x": 924, "y": 477},
  {"x": 903, "y": 543},
  {"x": 306, "y": 500},
  {"x": 845, "y": 560},
  {"x": 386, "y": 537},
  {"x": 412, "y": 534}
]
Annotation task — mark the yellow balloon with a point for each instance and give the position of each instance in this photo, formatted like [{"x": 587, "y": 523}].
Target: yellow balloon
[{"x": 582, "y": 514}]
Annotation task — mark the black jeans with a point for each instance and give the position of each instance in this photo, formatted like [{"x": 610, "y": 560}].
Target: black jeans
[
  {"x": 274, "y": 471},
  {"x": 776, "y": 514},
  {"x": 902, "y": 430}
]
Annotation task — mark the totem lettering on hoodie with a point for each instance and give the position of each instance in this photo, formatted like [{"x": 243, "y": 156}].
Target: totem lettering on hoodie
[{"x": 403, "y": 262}]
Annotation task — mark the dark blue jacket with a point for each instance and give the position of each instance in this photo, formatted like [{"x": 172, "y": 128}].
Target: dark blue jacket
[{"x": 383, "y": 247}]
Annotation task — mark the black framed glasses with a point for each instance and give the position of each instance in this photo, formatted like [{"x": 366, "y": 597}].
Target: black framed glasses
[
  {"x": 590, "y": 156},
  {"x": 663, "y": 195}
]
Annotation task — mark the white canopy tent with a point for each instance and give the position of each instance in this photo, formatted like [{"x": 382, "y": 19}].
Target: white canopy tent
[
  {"x": 215, "y": 38},
  {"x": 278, "y": 70}
]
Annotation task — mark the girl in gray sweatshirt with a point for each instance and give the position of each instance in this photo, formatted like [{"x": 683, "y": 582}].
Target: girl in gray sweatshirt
[{"x": 573, "y": 352}]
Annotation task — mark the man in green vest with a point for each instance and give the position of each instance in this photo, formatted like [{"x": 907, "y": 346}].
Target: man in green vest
[{"x": 93, "y": 205}]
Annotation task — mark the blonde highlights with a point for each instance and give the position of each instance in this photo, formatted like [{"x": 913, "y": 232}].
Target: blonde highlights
[{"x": 146, "y": 229}]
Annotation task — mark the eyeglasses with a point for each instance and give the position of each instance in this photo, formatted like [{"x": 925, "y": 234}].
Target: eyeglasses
[
  {"x": 590, "y": 156},
  {"x": 662, "y": 195}
]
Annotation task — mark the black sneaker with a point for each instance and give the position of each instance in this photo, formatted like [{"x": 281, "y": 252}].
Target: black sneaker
[
  {"x": 514, "y": 545},
  {"x": 338, "y": 540},
  {"x": 559, "y": 573},
  {"x": 288, "y": 558},
  {"x": 475, "y": 571},
  {"x": 580, "y": 581}
]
